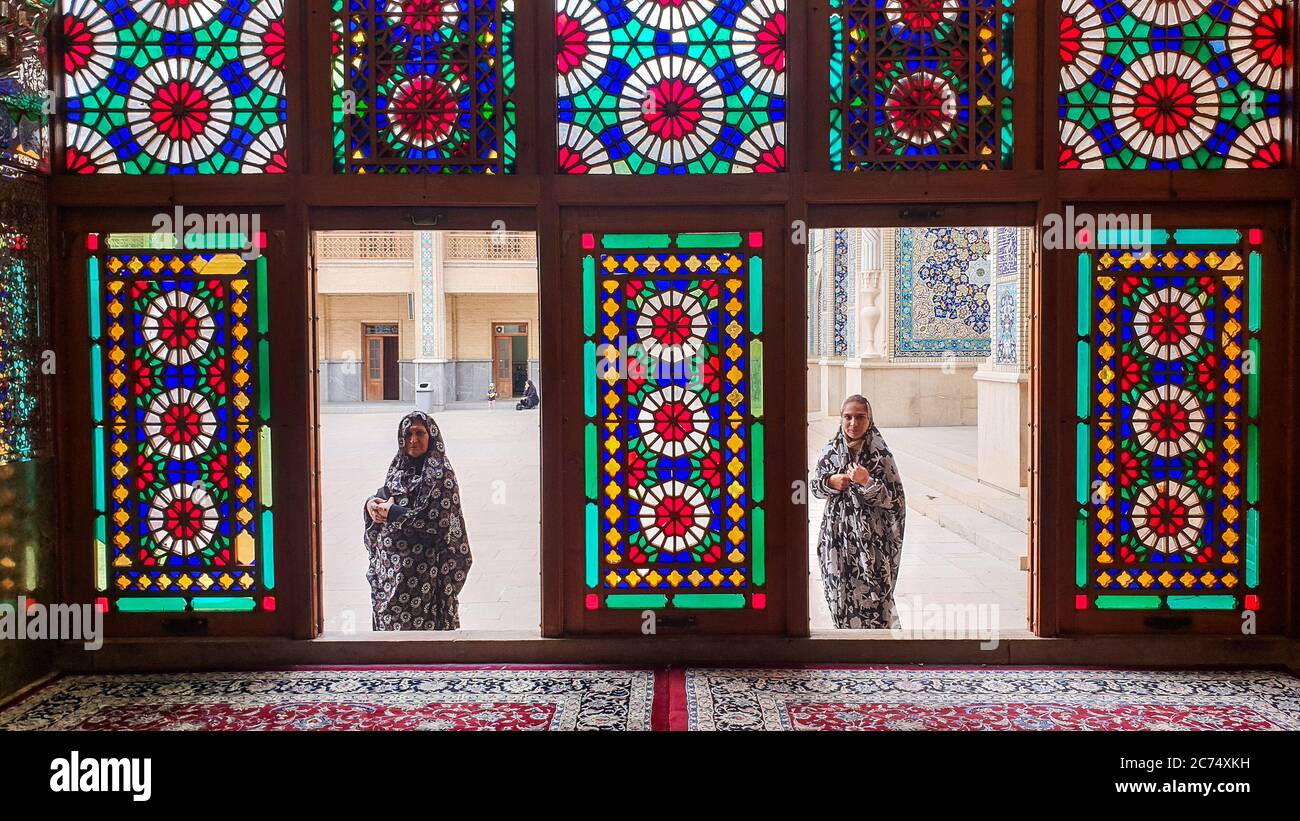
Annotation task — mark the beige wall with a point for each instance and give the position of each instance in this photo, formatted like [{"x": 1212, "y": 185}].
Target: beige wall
[
  {"x": 342, "y": 315},
  {"x": 472, "y": 316}
]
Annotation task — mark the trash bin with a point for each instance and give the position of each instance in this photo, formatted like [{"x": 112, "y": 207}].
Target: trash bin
[{"x": 424, "y": 397}]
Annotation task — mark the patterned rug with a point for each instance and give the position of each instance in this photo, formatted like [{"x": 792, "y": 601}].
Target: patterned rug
[
  {"x": 480, "y": 698},
  {"x": 917, "y": 698}
]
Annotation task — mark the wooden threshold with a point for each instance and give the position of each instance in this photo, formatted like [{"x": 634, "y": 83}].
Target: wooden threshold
[{"x": 823, "y": 647}]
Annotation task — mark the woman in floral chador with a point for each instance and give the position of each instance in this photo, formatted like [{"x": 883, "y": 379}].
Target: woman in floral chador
[
  {"x": 861, "y": 540},
  {"x": 415, "y": 535}
]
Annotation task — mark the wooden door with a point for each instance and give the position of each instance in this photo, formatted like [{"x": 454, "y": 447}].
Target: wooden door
[
  {"x": 675, "y": 442},
  {"x": 374, "y": 374},
  {"x": 381, "y": 378},
  {"x": 509, "y": 358}
]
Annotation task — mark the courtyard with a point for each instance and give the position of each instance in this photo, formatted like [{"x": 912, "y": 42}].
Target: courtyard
[{"x": 961, "y": 548}]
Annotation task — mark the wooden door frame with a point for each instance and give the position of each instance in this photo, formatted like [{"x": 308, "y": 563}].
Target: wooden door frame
[
  {"x": 495, "y": 336},
  {"x": 365, "y": 365}
]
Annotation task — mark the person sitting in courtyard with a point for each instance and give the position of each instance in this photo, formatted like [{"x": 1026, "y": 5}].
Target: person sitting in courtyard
[
  {"x": 415, "y": 535},
  {"x": 531, "y": 398},
  {"x": 861, "y": 540}
]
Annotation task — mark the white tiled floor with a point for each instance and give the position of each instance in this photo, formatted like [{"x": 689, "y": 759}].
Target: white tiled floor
[{"x": 495, "y": 454}]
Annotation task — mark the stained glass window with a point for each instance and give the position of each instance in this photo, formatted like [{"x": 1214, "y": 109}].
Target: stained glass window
[
  {"x": 1168, "y": 429},
  {"x": 22, "y": 339},
  {"x": 671, "y": 87},
  {"x": 182, "y": 443},
  {"x": 673, "y": 393},
  {"x": 424, "y": 86},
  {"x": 921, "y": 84},
  {"x": 24, "y": 91},
  {"x": 166, "y": 87},
  {"x": 1175, "y": 83}
]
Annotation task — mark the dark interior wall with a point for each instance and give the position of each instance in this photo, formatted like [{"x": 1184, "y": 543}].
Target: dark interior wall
[{"x": 27, "y": 499}]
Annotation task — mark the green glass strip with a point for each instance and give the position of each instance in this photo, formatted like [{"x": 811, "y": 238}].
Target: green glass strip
[
  {"x": 1207, "y": 236},
  {"x": 1129, "y": 238},
  {"x": 618, "y": 241},
  {"x": 263, "y": 297},
  {"x": 1252, "y": 464},
  {"x": 1083, "y": 380},
  {"x": 758, "y": 538},
  {"x": 635, "y": 601},
  {"x": 101, "y": 553},
  {"x": 589, "y": 378},
  {"x": 1082, "y": 455},
  {"x": 709, "y": 601},
  {"x": 1252, "y": 387},
  {"x": 100, "y": 478},
  {"x": 1085, "y": 295},
  {"x": 756, "y": 377},
  {"x": 264, "y": 465},
  {"x": 268, "y": 549},
  {"x": 156, "y": 604},
  {"x": 1253, "y": 293},
  {"x": 1252, "y": 548},
  {"x": 590, "y": 453},
  {"x": 93, "y": 291},
  {"x": 593, "y": 541},
  {"x": 708, "y": 240},
  {"x": 588, "y": 295},
  {"x": 226, "y": 603},
  {"x": 756, "y": 295},
  {"x": 756, "y": 462},
  {"x": 264, "y": 379},
  {"x": 1202, "y": 602},
  {"x": 1105, "y": 602},
  {"x": 1081, "y": 550},
  {"x": 96, "y": 385}
]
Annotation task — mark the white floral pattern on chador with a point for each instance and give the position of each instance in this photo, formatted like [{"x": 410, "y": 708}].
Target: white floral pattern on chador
[
  {"x": 861, "y": 540},
  {"x": 420, "y": 557}
]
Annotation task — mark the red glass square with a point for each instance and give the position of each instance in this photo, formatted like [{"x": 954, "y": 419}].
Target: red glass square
[
  {"x": 593, "y": 601},
  {"x": 261, "y": 243},
  {"x": 1081, "y": 602},
  {"x": 1255, "y": 235},
  {"x": 760, "y": 601},
  {"x": 1252, "y": 602},
  {"x": 101, "y": 604},
  {"x": 589, "y": 242},
  {"x": 755, "y": 239},
  {"x": 92, "y": 241},
  {"x": 268, "y": 603},
  {"x": 30, "y": 603}
]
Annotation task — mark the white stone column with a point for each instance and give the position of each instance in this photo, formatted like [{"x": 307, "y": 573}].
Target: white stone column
[{"x": 432, "y": 365}]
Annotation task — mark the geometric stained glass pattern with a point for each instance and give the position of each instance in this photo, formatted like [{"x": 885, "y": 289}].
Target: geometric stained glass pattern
[
  {"x": 174, "y": 86},
  {"x": 1175, "y": 83},
  {"x": 182, "y": 443},
  {"x": 1168, "y": 423},
  {"x": 424, "y": 86},
  {"x": 22, "y": 339},
  {"x": 673, "y": 399},
  {"x": 921, "y": 84},
  {"x": 682, "y": 87}
]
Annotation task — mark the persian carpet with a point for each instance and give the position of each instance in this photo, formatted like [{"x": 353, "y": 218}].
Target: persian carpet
[
  {"x": 408, "y": 698},
  {"x": 923, "y": 698}
]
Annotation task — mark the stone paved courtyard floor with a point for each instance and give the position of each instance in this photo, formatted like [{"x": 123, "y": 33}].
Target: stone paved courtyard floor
[{"x": 497, "y": 462}]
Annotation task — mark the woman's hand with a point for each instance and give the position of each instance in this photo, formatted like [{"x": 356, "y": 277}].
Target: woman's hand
[
  {"x": 372, "y": 508},
  {"x": 378, "y": 510},
  {"x": 838, "y": 481},
  {"x": 859, "y": 475}
]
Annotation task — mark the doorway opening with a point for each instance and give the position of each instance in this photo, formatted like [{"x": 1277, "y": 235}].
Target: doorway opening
[
  {"x": 431, "y": 320},
  {"x": 932, "y": 326}
]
